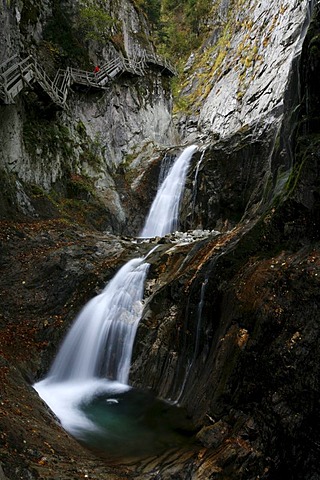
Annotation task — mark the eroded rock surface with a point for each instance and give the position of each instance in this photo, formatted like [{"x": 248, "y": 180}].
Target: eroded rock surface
[
  {"x": 244, "y": 77},
  {"x": 49, "y": 152},
  {"x": 230, "y": 326}
]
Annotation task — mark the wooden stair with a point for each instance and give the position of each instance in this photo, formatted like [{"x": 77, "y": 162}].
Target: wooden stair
[{"x": 17, "y": 74}]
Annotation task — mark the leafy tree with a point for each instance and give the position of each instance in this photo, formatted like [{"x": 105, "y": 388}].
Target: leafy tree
[
  {"x": 95, "y": 23},
  {"x": 152, "y": 9},
  {"x": 62, "y": 35},
  {"x": 178, "y": 26}
]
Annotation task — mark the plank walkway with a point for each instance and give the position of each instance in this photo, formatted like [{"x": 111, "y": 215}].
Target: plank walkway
[{"x": 17, "y": 74}]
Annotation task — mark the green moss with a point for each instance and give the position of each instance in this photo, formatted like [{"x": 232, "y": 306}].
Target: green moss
[
  {"x": 47, "y": 138},
  {"x": 8, "y": 194},
  {"x": 74, "y": 201},
  {"x": 314, "y": 50},
  {"x": 36, "y": 190},
  {"x": 83, "y": 212},
  {"x": 306, "y": 146},
  {"x": 94, "y": 23},
  {"x": 30, "y": 14},
  {"x": 92, "y": 150},
  {"x": 209, "y": 66},
  {"x": 128, "y": 159},
  {"x": 64, "y": 35},
  {"x": 126, "y": 170},
  {"x": 80, "y": 128},
  {"x": 80, "y": 187}
]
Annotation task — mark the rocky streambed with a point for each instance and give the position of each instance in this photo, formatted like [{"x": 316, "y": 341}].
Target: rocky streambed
[
  {"x": 246, "y": 392},
  {"x": 230, "y": 328}
]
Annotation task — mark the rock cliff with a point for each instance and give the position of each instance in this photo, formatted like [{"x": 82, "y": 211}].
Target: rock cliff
[
  {"x": 230, "y": 328},
  {"x": 248, "y": 62},
  {"x": 243, "y": 95},
  {"x": 75, "y": 153}
]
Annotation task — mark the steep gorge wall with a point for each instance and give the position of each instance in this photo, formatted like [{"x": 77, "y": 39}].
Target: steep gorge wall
[
  {"x": 238, "y": 340},
  {"x": 240, "y": 89},
  {"x": 242, "y": 97},
  {"x": 75, "y": 153},
  {"x": 247, "y": 174},
  {"x": 240, "y": 77},
  {"x": 231, "y": 325}
]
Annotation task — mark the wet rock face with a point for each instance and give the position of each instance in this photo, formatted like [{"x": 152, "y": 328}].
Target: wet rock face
[
  {"x": 228, "y": 182},
  {"x": 229, "y": 331},
  {"x": 255, "y": 357},
  {"x": 230, "y": 327},
  {"x": 247, "y": 67},
  {"x": 274, "y": 380},
  {"x": 52, "y": 153}
]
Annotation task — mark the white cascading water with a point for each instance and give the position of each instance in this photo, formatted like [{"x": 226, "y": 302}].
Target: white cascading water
[
  {"x": 96, "y": 354},
  {"x": 195, "y": 184},
  {"x": 97, "y": 347},
  {"x": 164, "y": 212},
  {"x": 100, "y": 342}
]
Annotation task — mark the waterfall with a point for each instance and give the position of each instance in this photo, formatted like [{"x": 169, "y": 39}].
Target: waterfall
[
  {"x": 198, "y": 319},
  {"x": 96, "y": 353},
  {"x": 195, "y": 185},
  {"x": 95, "y": 357},
  {"x": 101, "y": 340},
  {"x": 164, "y": 211}
]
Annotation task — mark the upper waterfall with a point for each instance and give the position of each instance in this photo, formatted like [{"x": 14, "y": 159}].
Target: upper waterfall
[{"x": 164, "y": 211}]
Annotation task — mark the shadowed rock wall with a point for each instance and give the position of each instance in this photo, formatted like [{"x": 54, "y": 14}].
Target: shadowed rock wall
[
  {"x": 249, "y": 363},
  {"x": 71, "y": 158},
  {"x": 230, "y": 327}
]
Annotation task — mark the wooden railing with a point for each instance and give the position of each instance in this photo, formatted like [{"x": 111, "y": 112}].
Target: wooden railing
[
  {"x": 22, "y": 73},
  {"x": 16, "y": 74}
]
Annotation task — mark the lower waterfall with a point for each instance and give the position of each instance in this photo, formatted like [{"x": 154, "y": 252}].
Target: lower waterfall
[
  {"x": 100, "y": 342},
  {"x": 87, "y": 385}
]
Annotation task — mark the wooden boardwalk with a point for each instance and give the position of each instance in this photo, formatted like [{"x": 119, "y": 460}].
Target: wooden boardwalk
[{"x": 17, "y": 74}]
